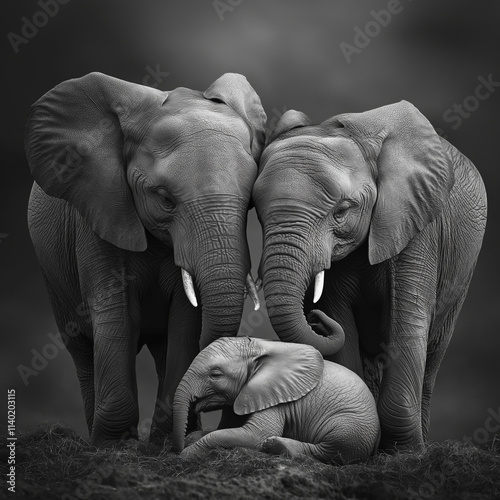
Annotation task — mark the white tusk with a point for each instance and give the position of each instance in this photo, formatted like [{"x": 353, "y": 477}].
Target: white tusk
[
  {"x": 319, "y": 281},
  {"x": 252, "y": 291},
  {"x": 258, "y": 284},
  {"x": 187, "y": 281}
]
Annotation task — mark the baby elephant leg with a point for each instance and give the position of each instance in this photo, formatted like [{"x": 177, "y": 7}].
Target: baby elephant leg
[
  {"x": 285, "y": 446},
  {"x": 194, "y": 436},
  {"x": 259, "y": 426}
]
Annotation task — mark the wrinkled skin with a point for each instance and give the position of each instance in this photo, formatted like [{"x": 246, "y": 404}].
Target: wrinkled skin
[
  {"x": 395, "y": 217},
  {"x": 287, "y": 399},
  {"x": 132, "y": 185}
]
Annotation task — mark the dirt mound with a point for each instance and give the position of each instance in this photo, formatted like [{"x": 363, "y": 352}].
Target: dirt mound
[{"x": 56, "y": 463}]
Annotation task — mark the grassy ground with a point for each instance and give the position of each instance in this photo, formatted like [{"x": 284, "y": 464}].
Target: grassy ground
[{"x": 55, "y": 463}]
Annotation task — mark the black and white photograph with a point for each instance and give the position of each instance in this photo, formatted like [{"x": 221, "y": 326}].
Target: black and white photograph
[{"x": 248, "y": 250}]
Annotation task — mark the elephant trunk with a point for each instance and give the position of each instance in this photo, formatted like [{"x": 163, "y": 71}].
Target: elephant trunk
[
  {"x": 184, "y": 397},
  {"x": 222, "y": 299},
  {"x": 286, "y": 278},
  {"x": 216, "y": 253}
]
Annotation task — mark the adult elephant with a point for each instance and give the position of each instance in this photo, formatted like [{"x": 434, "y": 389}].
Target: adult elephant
[
  {"x": 389, "y": 218},
  {"x": 134, "y": 188}
]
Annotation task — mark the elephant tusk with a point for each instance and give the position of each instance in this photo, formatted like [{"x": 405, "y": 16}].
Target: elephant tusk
[
  {"x": 187, "y": 281},
  {"x": 319, "y": 281},
  {"x": 258, "y": 284},
  {"x": 252, "y": 291}
]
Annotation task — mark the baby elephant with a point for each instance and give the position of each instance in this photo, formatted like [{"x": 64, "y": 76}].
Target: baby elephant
[{"x": 294, "y": 402}]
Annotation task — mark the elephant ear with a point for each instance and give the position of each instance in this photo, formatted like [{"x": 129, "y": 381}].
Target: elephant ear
[
  {"x": 288, "y": 121},
  {"x": 414, "y": 174},
  {"x": 75, "y": 138},
  {"x": 235, "y": 91},
  {"x": 280, "y": 372}
]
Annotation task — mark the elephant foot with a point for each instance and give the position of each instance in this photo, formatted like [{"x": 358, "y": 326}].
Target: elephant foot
[
  {"x": 275, "y": 445},
  {"x": 194, "y": 436},
  {"x": 193, "y": 451}
]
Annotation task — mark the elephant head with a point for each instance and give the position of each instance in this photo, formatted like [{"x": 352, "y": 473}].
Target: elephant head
[
  {"x": 374, "y": 178},
  {"x": 249, "y": 374},
  {"x": 179, "y": 165}
]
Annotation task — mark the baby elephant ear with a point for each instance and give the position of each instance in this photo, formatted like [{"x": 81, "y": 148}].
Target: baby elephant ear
[
  {"x": 235, "y": 91},
  {"x": 414, "y": 174},
  {"x": 280, "y": 372},
  {"x": 289, "y": 120}
]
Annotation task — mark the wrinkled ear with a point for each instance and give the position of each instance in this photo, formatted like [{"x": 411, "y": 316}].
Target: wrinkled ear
[
  {"x": 235, "y": 91},
  {"x": 414, "y": 174},
  {"x": 280, "y": 372},
  {"x": 289, "y": 120},
  {"x": 75, "y": 137}
]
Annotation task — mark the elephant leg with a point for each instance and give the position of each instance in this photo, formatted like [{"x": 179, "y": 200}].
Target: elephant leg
[
  {"x": 158, "y": 350},
  {"x": 194, "y": 436},
  {"x": 83, "y": 357},
  {"x": 75, "y": 325},
  {"x": 181, "y": 347},
  {"x": 110, "y": 283},
  {"x": 434, "y": 359},
  {"x": 116, "y": 410},
  {"x": 399, "y": 401},
  {"x": 230, "y": 419},
  {"x": 257, "y": 429},
  {"x": 435, "y": 354},
  {"x": 81, "y": 349},
  {"x": 413, "y": 285},
  {"x": 277, "y": 445},
  {"x": 346, "y": 441},
  {"x": 116, "y": 336}
]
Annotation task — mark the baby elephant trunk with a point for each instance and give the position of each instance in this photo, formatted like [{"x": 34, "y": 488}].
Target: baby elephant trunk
[{"x": 184, "y": 397}]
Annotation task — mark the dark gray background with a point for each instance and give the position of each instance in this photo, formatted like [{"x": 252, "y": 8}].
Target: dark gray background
[{"x": 430, "y": 53}]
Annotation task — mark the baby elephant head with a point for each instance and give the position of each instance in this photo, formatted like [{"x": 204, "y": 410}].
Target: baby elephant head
[{"x": 249, "y": 374}]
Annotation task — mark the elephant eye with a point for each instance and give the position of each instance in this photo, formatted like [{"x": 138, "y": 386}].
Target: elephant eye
[
  {"x": 341, "y": 212},
  {"x": 216, "y": 373},
  {"x": 165, "y": 197}
]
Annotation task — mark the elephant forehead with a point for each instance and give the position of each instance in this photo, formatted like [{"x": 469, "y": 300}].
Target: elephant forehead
[
  {"x": 321, "y": 153},
  {"x": 310, "y": 168},
  {"x": 228, "y": 345},
  {"x": 188, "y": 125},
  {"x": 194, "y": 170},
  {"x": 226, "y": 351},
  {"x": 187, "y": 109}
]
